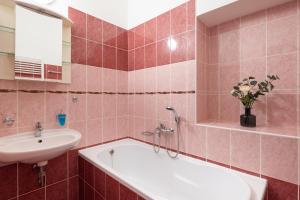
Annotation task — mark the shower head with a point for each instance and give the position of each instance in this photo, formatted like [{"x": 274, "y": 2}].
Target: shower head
[
  {"x": 169, "y": 108},
  {"x": 177, "y": 118}
]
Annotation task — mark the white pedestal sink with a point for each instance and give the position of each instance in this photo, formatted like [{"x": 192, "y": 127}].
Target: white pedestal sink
[{"x": 27, "y": 148}]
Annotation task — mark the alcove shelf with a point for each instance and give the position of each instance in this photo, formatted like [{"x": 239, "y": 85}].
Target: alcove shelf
[{"x": 283, "y": 131}]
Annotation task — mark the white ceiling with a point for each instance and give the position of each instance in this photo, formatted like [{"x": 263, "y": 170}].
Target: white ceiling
[
  {"x": 140, "y": 11},
  {"x": 235, "y": 9},
  {"x": 130, "y": 13}
]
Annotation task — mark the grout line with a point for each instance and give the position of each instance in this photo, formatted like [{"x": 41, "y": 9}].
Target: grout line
[
  {"x": 68, "y": 177},
  {"x": 116, "y": 89},
  {"x": 32, "y": 191},
  {"x": 219, "y": 76},
  {"x": 206, "y": 144},
  {"x": 297, "y": 97},
  {"x": 230, "y": 149},
  {"x": 144, "y": 56},
  {"x": 86, "y": 83},
  {"x": 102, "y": 83},
  {"x": 266, "y": 62},
  {"x": 260, "y": 153},
  {"x": 18, "y": 189},
  {"x": 240, "y": 57},
  {"x": 134, "y": 86}
]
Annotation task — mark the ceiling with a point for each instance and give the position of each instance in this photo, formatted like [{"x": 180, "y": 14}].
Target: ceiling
[{"x": 236, "y": 9}]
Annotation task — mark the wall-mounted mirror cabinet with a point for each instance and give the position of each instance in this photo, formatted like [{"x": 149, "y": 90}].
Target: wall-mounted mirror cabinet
[{"x": 35, "y": 43}]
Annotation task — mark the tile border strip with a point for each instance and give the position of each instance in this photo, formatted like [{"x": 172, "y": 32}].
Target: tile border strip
[{"x": 90, "y": 92}]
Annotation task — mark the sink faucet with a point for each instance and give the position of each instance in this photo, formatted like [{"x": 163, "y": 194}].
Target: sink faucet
[{"x": 38, "y": 129}]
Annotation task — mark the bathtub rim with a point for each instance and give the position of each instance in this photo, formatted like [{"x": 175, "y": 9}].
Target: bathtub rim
[{"x": 256, "y": 184}]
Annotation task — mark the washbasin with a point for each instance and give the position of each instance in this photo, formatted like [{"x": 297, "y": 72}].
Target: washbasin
[{"x": 27, "y": 148}]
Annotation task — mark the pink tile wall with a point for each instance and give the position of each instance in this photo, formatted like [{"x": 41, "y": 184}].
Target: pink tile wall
[
  {"x": 261, "y": 43},
  {"x": 272, "y": 157},
  {"x": 99, "y": 83},
  {"x": 98, "y": 43},
  {"x": 162, "y": 69},
  {"x": 165, "y": 39},
  {"x": 258, "y": 44},
  {"x": 103, "y": 78},
  {"x": 235, "y": 48},
  {"x": 113, "y": 103}
]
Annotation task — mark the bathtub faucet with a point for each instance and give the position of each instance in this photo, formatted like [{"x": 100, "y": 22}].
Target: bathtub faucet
[
  {"x": 159, "y": 130},
  {"x": 163, "y": 129}
]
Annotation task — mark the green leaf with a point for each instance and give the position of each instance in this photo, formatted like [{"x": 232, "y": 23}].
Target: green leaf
[{"x": 235, "y": 94}]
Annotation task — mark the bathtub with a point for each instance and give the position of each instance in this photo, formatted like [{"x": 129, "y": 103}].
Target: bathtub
[{"x": 158, "y": 177}]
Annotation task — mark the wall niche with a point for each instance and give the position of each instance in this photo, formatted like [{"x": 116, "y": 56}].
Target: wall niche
[{"x": 251, "y": 45}]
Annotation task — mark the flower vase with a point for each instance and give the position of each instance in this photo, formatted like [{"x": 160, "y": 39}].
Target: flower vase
[{"x": 247, "y": 119}]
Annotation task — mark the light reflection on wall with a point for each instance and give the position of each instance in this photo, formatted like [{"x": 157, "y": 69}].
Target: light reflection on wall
[{"x": 172, "y": 44}]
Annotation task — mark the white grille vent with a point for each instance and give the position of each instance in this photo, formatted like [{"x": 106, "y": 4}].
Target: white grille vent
[{"x": 28, "y": 69}]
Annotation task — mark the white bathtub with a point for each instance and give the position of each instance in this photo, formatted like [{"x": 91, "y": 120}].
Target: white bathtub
[{"x": 158, "y": 177}]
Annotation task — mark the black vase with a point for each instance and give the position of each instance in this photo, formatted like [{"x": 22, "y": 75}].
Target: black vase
[{"x": 247, "y": 119}]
